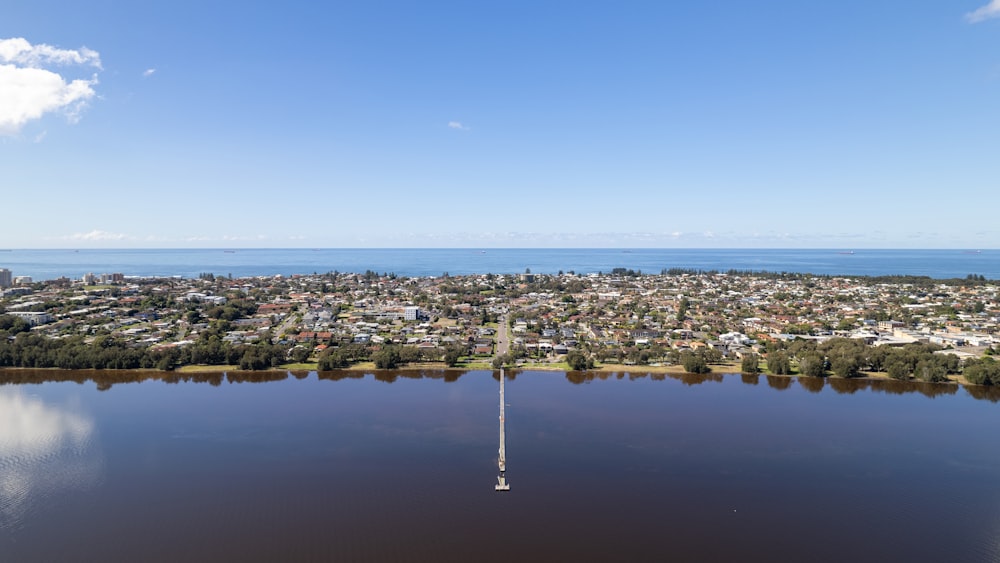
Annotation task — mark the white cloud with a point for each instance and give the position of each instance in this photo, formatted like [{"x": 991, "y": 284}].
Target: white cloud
[
  {"x": 97, "y": 235},
  {"x": 457, "y": 125},
  {"x": 238, "y": 238},
  {"x": 148, "y": 72},
  {"x": 20, "y": 52},
  {"x": 35, "y": 439},
  {"x": 991, "y": 10},
  {"x": 30, "y": 427},
  {"x": 28, "y": 91}
]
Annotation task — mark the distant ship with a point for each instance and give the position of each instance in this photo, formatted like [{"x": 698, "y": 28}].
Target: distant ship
[
  {"x": 230, "y": 251},
  {"x": 972, "y": 251},
  {"x": 846, "y": 252}
]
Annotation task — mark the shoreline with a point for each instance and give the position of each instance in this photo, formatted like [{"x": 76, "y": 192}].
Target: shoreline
[
  {"x": 600, "y": 372},
  {"x": 326, "y": 321}
]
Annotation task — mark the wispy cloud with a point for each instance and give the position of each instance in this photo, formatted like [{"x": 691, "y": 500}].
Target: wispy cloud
[
  {"x": 989, "y": 11},
  {"x": 101, "y": 236},
  {"x": 97, "y": 235},
  {"x": 633, "y": 239},
  {"x": 19, "y": 51},
  {"x": 225, "y": 238},
  {"x": 28, "y": 90},
  {"x": 457, "y": 125},
  {"x": 148, "y": 72}
]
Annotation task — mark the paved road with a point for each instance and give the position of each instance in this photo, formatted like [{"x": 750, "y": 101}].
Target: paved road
[
  {"x": 286, "y": 323},
  {"x": 503, "y": 338}
]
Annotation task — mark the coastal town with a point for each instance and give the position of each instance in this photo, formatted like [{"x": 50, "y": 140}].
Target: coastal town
[{"x": 736, "y": 321}]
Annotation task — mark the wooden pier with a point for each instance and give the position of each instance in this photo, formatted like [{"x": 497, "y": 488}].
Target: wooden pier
[{"x": 502, "y": 484}]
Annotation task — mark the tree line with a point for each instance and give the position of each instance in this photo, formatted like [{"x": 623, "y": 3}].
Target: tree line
[
  {"x": 387, "y": 356},
  {"x": 848, "y": 358},
  {"x": 26, "y": 350}
]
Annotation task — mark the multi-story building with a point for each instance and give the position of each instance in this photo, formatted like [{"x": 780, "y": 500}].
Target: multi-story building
[
  {"x": 5, "y": 278},
  {"x": 33, "y": 318}
]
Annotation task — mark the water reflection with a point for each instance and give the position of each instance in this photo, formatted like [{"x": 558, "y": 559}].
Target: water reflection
[
  {"x": 991, "y": 394},
  {"x": 846, "y": 386},
  {"x": 391, "y": 376},
  {"x": 105, "y": 380},
  {"x": 580, "y": 377},
  {"x": 44, "y": 449},
  {"x": 779, "y": 382},
  {"x": 924, "y": 388},
  {"x": 812, "y": 384}
]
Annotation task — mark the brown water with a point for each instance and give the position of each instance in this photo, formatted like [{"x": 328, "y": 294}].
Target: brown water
[{"x": 350, "y": 467}]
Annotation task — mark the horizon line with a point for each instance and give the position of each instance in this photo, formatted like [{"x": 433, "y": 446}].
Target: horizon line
[{"x": 486, "y": 248}]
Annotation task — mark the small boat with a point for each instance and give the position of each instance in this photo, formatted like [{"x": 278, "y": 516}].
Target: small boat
[{"x": 846, "y": 252}]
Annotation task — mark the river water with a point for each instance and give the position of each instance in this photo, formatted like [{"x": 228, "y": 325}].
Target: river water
[{"x": 401, "y": 467}]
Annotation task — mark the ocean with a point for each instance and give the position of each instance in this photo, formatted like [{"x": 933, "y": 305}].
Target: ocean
[{"x": 51, "y": 264}]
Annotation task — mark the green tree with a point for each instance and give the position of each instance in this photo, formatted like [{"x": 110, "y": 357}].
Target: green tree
[
  {"x": 845, "y": 366},
  {"x": 451, "y": 355},
  {"x": 930, "y": 370},
  {"x": 898, "y": 370},
  {"x": 750, "y": 364},
  {"x": 300, "y": 354},
  {"x": 812, "y": 364},
  {"x": 578, "y": 361},
  {"x": 386, "y": 358},
  {"x": 409, "y": 354},
  {"x": 682, "y": 309},
  {"x": 331, "y": 359},
  {"x": 846, "y": 323},
  {"x": 13, "y": 325},
  {"x": 502, "y": 360},
  {"x": 984, "y": 371},
  {"x": 778, "y": 363},
  {"x": 694, "y": 363}
]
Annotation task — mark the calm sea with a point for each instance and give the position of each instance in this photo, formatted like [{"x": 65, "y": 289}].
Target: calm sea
[
  {"x": 401, "y": 467},
  {"x": 50, "y": 264}
]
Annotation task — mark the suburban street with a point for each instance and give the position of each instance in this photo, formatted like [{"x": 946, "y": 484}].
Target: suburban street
[{"x": 503, "y": 339}]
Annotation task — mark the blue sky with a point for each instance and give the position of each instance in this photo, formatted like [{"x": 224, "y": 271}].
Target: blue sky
[{"x": 852, "y": 124}]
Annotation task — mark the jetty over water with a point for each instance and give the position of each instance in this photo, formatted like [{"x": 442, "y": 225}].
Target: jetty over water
[{"x": 502, "y": 484}]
